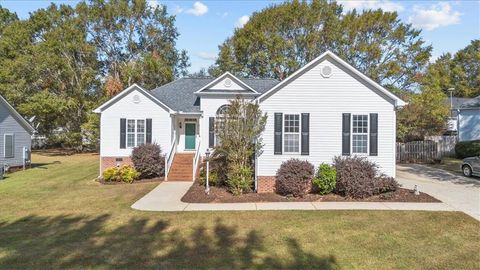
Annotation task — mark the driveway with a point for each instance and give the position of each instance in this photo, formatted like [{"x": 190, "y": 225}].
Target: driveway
[{"x": 459, "y": 192}]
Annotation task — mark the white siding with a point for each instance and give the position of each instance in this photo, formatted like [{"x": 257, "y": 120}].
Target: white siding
[
  {"x": 326, "y": 99},
  {"x": 209, "y": 105},
  {"x": 221, "y": 85},
  {"x": 126, "y": 108}
]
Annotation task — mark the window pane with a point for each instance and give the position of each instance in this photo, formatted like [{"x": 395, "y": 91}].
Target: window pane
[
  {"x": 140, "y": 126},
  {"x": 131, "y": 126},
  {"x": 130, "y": 140},
  {"x": 359, "y": 143},
  {"x": 140, "y": 139},
  {"x": 291, "y": 143}
]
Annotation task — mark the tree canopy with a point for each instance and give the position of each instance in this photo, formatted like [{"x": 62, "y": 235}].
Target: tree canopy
[
  {"x": 63, "y": 61},
  {"x": 280, "y": 39},
  {"x": 460, "y": 71}
]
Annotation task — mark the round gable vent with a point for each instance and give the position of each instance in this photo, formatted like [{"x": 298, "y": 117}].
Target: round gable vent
[
  {"x": 136, "y": 99},
  {"x": 327, "y": 71},
  {"x": 227, "y": 83}
]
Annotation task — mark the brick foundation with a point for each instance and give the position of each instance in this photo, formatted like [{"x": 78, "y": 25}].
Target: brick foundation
[
  {"x": 108, "y": 162},
  {"x": 265, "y": 184}
]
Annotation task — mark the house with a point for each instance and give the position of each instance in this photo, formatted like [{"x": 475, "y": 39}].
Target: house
[
  {"x": 15, "y": 137},
  {"x": 454, "y": 104},
  {"x": 325, "y": 109},
  {"x": 469, "y": 120}
]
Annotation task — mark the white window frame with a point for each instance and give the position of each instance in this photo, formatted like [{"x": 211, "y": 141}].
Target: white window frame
[
  {"x": 135, "y": 132},
  {"x": 367, "y": 134},
  {"x": 5, "y": 145},
  {"x": 299, "y": 133}
]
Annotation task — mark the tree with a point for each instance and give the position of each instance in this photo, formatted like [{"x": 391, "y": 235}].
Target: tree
[
  {"x": 239, "y": 131},
  {"x": 425, "y": 115},
  {"x": 460, "y": 71},
  {"x": 135, "y": 43},
  {"x": 282, "y": 38}
]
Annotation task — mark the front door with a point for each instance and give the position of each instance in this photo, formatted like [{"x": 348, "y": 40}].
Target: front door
[{"x": 189, "y": 136}]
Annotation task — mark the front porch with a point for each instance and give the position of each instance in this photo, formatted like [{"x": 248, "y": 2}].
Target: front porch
[{"x": 183, "y": 158}]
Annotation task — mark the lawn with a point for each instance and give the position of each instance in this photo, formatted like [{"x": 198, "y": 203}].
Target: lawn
[{"x": 56, "y": 216}]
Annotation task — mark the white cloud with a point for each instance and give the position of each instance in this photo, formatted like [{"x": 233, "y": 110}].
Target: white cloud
[
  {"x": 177, "y": 10},
  {"x": 242, "y": 21},
  {"x": 436, "y": 16},
  {"x": 207, "y": 55},
  {"x": 198, "y": 9},
  {"x": 153, "y": 4},
  {"x": 385, "y": 5}
]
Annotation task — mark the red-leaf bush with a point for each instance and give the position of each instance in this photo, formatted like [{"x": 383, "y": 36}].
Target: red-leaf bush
[
  {"x": 148, "y": 160},
  {"x": 357, "y": 177},
  {"x": 294, "y": 177}
]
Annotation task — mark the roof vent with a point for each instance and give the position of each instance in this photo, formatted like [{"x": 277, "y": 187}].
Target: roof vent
[
  {"x": 136, "y": 99},
  {"x": 327, "y": 71},
  {"x": 227, "y": 83}
]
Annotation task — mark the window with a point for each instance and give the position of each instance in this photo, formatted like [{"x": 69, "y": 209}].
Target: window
[
  {"x": 9, "y": 146},
  {"x": 291, "y": 137},
  {"x": 135, "y": 132},
  {"x": 360, "y": 134}
]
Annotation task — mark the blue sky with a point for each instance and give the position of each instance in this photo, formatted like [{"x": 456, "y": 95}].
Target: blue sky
[{"x": 203, "y": 25}]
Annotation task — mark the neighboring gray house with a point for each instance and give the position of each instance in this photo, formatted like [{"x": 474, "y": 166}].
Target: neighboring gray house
[
  {"x": 15, "y": 136},
  {"x": 469, "y": 120}
]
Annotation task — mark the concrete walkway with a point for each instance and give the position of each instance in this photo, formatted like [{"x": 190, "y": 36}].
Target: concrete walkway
[
  {"x": 167, "y": 195},
  {"x": 458, "y": 192}
]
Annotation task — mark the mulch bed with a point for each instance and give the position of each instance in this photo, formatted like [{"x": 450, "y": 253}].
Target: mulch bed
[
  {"x": 196, "y": 194},
  {"x": 140, "y": 181}
]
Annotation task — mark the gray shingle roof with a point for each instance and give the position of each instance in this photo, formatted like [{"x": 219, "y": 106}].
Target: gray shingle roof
[
  {"x": 472, "y": 103},
  {"x": 179, "y": 95}
]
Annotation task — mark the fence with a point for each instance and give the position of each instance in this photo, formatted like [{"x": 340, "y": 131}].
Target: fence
[{"x": 426, "y": 151}]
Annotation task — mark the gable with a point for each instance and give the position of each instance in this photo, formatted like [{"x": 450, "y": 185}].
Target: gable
[
  {"x": 132, "y": 96},
  {"x": 227, "y": 84},
  {"x": 326, "y": 68},
  {"x": 7, "y": 110}
]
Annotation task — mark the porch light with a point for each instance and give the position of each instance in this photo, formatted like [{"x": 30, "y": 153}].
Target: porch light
[{"x": 207, "y": 159}]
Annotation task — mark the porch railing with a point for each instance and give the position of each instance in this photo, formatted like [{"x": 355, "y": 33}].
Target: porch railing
[
  {"x": 171, "y": 154},
  {"x": 196, "y": 159}
]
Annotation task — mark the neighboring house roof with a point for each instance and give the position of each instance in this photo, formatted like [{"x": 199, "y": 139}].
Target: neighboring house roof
[
  {"x": 471, "y": 103},
  {"x": 397, "y": 101},
  {"x": 126, "y": 92},
  {"x": 26, "y": 125},
  {"x": 457, "y": 101},
  {"x": 180, "y": 94}
]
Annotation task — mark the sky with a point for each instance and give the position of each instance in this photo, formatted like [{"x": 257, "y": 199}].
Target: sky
[{"x": 203, "y": 25}]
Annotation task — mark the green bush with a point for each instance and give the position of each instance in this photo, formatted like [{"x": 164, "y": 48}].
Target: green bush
[
  {"x": 212, "y": 177},
  {"x": 325, "y": 179},
  {"x": 123, "y": 174},
  {"x": 240, "y": 179},
  {"x": 468, "y": 149}
]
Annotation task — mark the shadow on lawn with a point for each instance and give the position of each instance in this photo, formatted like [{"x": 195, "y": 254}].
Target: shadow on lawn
[{"x": 79, "y": 242}]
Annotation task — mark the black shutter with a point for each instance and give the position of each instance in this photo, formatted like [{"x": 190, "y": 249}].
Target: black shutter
[
  {"x": 211, "y": 132},
  {"x": 149, "y": 131},
  {"x": 305, "y": 134},
  {"x": 277, "y": 141},
  {"x": 346, "y": 134},
  {"x": 123, "y": 133},
  {"x": 374, "y": 134}
]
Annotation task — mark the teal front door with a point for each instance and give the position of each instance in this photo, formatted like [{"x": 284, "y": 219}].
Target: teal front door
[{"x": 189, "y": 136}]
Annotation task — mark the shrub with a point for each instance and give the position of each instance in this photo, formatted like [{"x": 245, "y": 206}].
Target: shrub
[
  {"x": 212, "y": 176},
  {"x": 468, "y": 149},
  {"x": 294, "y": 177},
  {"x": 148, "y": 160},
  {"x": 123, "y": 174},
  {"x": 357, "y": 178},
  {"x": 240, "y": 179},
  {"x": 326, "y": 179}
]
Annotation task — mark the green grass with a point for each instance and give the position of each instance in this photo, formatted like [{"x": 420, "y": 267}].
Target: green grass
[
  {"x": 56, "y": 216},
  {"x": 449, "y": 164}
]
